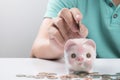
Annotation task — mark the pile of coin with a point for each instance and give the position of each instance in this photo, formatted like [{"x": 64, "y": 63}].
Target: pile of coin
[
  {"x": 75, "y": 76},
  {"x": 41, "y": 75}
]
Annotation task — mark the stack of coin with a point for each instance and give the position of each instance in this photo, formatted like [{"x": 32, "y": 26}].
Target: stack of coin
[
  {"x": 41, "y": 75},
  {"x": 81, "y": 74}
]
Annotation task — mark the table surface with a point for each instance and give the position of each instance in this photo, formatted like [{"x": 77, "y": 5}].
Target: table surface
[{"x": 10, "y": 67}]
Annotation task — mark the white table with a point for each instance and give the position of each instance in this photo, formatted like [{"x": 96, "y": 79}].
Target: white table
[{"x": 9, "y": 67}]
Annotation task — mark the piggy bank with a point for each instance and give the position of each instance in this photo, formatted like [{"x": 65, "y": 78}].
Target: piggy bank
[{"x": 80, "y": 55}]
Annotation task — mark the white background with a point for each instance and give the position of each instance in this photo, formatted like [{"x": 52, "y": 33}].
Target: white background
[{"x": 19, "y": 25}]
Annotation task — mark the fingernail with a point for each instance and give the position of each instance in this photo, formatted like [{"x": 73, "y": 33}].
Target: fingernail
[
  {"x": 81, "y": 30},
  {"x": 78, "y": 18}
]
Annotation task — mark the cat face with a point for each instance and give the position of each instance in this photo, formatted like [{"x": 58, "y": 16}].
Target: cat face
[{"x": 80, "y": 54}]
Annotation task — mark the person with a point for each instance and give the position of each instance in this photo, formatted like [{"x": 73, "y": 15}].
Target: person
[{"x": 100, "y": 21}]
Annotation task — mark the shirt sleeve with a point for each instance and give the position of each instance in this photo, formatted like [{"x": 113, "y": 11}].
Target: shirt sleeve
[{"x": 54, "y": 6}]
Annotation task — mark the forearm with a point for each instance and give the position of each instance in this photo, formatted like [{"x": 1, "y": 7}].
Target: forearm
[{"x": 43, "y": 49}]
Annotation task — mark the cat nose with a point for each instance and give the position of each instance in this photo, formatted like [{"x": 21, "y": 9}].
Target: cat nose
[{"x": 80, "y": 59}]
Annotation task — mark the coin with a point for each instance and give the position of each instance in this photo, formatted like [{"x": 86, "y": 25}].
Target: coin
[
  {"x": 52, "y": 74},
  {"x": 43, "y": 73},
  {"x": 95, "y": 75},
  {"x": 69, "y": 77},
  {"x": 117, "y": 73},
  {"x": 52, "y": 77},
  {"x": 82, "y": 74},
  {"x": 73, "y": 76},
  {"x": 106, "y": 77},
  {"x": 20, "y": 75},
  {"x": 39, "y": 77},
  {"x": 88, "y": 79},
  {"x": 29, "y": 76},
  {"x": 64, "y": 78}
]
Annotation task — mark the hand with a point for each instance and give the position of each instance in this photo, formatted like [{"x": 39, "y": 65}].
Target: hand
[{"x": 66, "y": 26}]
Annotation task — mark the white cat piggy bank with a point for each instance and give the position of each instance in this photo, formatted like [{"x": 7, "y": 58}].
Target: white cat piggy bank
[{"x": 79, "y": 55}]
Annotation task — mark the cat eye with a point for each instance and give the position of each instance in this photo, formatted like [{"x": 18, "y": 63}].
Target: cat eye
[
  {"x": 88, "y": 55},
  {"x": 73, "y": 55}
]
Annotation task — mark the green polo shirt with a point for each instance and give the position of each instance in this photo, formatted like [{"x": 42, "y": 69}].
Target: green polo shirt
[{"x": 101, "y": 17}]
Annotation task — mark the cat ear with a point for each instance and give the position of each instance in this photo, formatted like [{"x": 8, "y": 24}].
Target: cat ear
[
  {"x": 68, "y": 44},
  {"x": 91, "y": 43}
]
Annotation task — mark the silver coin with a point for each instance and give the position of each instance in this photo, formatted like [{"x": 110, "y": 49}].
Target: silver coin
[
  {"x": 29, "y": 76},
  {"x": 117, "y": 73},
  {"x": 95, "y": 75},
  {"x": 52, "y": 74},
  {"x": 106, "y": 77},
  {"x": 38, "y": 77},
  {"x": 43, "y": 73},
  {"x": 118, "y": 76},
  {"x": 81, "y": 74},
  {"x": 20, "y": 75}
]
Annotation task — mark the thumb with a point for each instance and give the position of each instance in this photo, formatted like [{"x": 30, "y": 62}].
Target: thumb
[{"x": 83, "y": 31}]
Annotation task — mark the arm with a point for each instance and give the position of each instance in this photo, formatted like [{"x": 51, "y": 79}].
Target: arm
[{"x": 53, "y": 34}]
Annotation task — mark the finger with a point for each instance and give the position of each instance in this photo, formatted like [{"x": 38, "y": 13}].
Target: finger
[
  {"x": 76, "y": 14},
  {"x": 67, "y": 16},
  {"x": 54, "y": 34},
  {"x": 83, "y": 31},
  {"x": 62, "y": 26}
]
